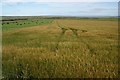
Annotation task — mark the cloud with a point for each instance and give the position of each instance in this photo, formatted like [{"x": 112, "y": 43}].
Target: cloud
[
  {"x": 103, "y": 9},
  {"x": 5, "y": 2},
  {"x": 67, "y": 4},
  {"x": 13, "y": 2},
  {"x": 27, "y": 7},
  {"x": 95, "y": 10},
  {"x": 60, "y": 0}
]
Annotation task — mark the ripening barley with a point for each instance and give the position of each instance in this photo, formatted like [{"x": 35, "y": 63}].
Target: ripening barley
[{"x": 81, "y": 57}]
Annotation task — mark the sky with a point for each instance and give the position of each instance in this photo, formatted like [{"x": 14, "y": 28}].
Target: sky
[{"x": 62, "y": 8}]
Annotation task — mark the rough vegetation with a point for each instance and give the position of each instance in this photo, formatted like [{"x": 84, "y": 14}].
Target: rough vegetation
[{"x": 61, "y": 49}]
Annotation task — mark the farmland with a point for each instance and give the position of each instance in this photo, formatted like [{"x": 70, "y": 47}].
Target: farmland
[{"x": 60, "y": 48}]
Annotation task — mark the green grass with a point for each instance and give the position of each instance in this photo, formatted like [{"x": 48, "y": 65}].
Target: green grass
[
  {"x": 31, "y": 52},
  {"x": 23, "y": 24}
]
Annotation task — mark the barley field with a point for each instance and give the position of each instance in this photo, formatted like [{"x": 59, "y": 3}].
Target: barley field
[{"x": 61, "y": 49}]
